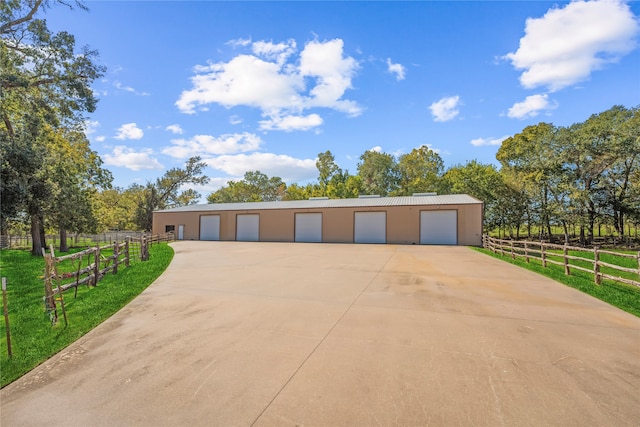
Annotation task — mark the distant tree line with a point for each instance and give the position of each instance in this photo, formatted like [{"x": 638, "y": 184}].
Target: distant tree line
[
  {"x": 577, "y": 177},
  {"x": 572, "y": 177}
]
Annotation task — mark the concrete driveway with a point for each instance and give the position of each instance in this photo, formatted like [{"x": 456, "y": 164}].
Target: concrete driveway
[{"x": 272, "y": 334}]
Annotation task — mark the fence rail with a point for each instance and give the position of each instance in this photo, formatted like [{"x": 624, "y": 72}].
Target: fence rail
[
  {"x": 24, "y": 240},
  {"x": 89, "y": 266},
  {"x": 549, "y": 253}
]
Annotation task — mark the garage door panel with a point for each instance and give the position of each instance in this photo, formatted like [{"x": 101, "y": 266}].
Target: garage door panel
[
  {"x": 370, "y": 227},
  {"x": 308, "y": 227},
  {"x": 210, "y": 227},
  {"x": 439, "y": 227},
  {"x": 248, "y": 228}
]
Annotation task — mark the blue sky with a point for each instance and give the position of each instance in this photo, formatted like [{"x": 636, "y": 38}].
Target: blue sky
[{"x": 269, "y": 85}]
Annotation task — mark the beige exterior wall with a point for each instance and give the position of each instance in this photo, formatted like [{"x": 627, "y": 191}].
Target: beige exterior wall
[{"x": 278, "y": 225}]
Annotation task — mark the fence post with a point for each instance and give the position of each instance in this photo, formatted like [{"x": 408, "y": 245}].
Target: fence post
[
  {"x": 96, "y": 265},
  {"x": 126, "y": 251},
  {"x": 596, "y": 266},
  {"x": 49, "y": 298},
  {"x": 526, "y": 251},
  {"x": 116, "y": 255},
  {"x": 54, "y": 269},
  {"x": 6, "y": 316},
  {"x": 144, "y": 247},
  {"x": 543, "y": 254},
  {"x": 565, "y": 252},
  {"x": 513, "y": 254}
]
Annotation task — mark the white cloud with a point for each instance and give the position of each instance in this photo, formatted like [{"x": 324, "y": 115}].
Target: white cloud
[
  {"x": 239, "y": 42},
  {"x": 129, "y": 131},
  {"x": 286, "y": 167},
  {"x": 567, "y": 44},
  {"x": 245, "y": 80},
  {"x": 131, "y": 159},
  {"x": 479, "y": 142},
  {"x": 397, "y": 69},
  {"x": 175, "y": 129},
  {"x": 377, "y": 149},
  {"x": 531, "y": 106},
  {"x": 278, "y": 52},
  {"x": 207, "y": 145},
  {"x": 291, "y": 123},
  {"x": 333, "y": 72},
  {"x": 235, "y": 120},
  {"x": 445, "y": 109},
  {"x": 100, "y": 138},
  {"x": 120, "y": 86},
  {"x": 275, "y": 80}
]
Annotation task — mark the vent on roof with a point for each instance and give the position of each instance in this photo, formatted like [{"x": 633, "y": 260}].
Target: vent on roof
[
  {"x": 318, "y": 198},
  {"x": 424, "y": 194},
  {"x": 368, "y": 196}
]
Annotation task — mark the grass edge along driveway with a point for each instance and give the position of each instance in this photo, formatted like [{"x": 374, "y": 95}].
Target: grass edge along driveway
[
  {"x": 33, "y": 338},
  {"x": 624, "y": 297}
]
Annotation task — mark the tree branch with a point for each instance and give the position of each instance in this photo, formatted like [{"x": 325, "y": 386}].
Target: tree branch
[
  {"x": 25, "y": 18},
  {"x": 7, "y": 123}
]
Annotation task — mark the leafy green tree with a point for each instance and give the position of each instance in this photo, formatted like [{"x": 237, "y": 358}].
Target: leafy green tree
[
  {"x": 45, "y": 82},
  {"x": 533, "y": 157},
  {"x": 601, "y": 156},
  {"x": 166, "y": 192},
  {"x": 254, "y": 187},
  {"x": 75, "y": 172},
  {"x": 620, "y": 200},
  {"x": 484, "y": 182},
  {"x": 419, "y": 171},
  {"x": 327, "y": 168},
  {"x": 297, "y": 192},
  {"x": 379, "y": 173},
  {"x": 114, "y": 208}
]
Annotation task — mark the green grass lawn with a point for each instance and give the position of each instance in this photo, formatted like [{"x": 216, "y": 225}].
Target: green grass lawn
[
  {"x": 33, "y": 338},
  {"x": 608, "y": 258},
  {"x": 625, "y": 297}
]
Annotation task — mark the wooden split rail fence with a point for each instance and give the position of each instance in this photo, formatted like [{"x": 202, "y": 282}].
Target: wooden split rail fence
[
  {"x": 549, "y": 253},
  {"x": 89, "y": 266}
]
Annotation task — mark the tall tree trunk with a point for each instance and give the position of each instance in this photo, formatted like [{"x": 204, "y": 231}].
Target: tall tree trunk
[
  {"x": 592, "y": 222},
  {"x": 36, "y": 243},
  {"x": 620, "y": 223},
  {"x": 565, "y": 227},
  {"x": 63, "y": 240},
  {"x": 43, "y": 236},
  {"x": 546, "y": 218}
]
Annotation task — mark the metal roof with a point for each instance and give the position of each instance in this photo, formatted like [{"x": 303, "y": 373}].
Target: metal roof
[{"x": 363, "y": 202}]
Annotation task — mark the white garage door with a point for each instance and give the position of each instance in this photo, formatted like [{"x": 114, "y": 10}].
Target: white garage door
[
  {"x": 248, "y": 228},
  {"x": 439, "y": 227},
  {"x": 308, "y": 227},
  {"x": 210, "y": 227},
  {"x": 370, "y": 227}
]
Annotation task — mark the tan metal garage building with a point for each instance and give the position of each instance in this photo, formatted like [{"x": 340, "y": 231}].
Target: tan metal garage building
[{"x": 418, "y": 219}]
